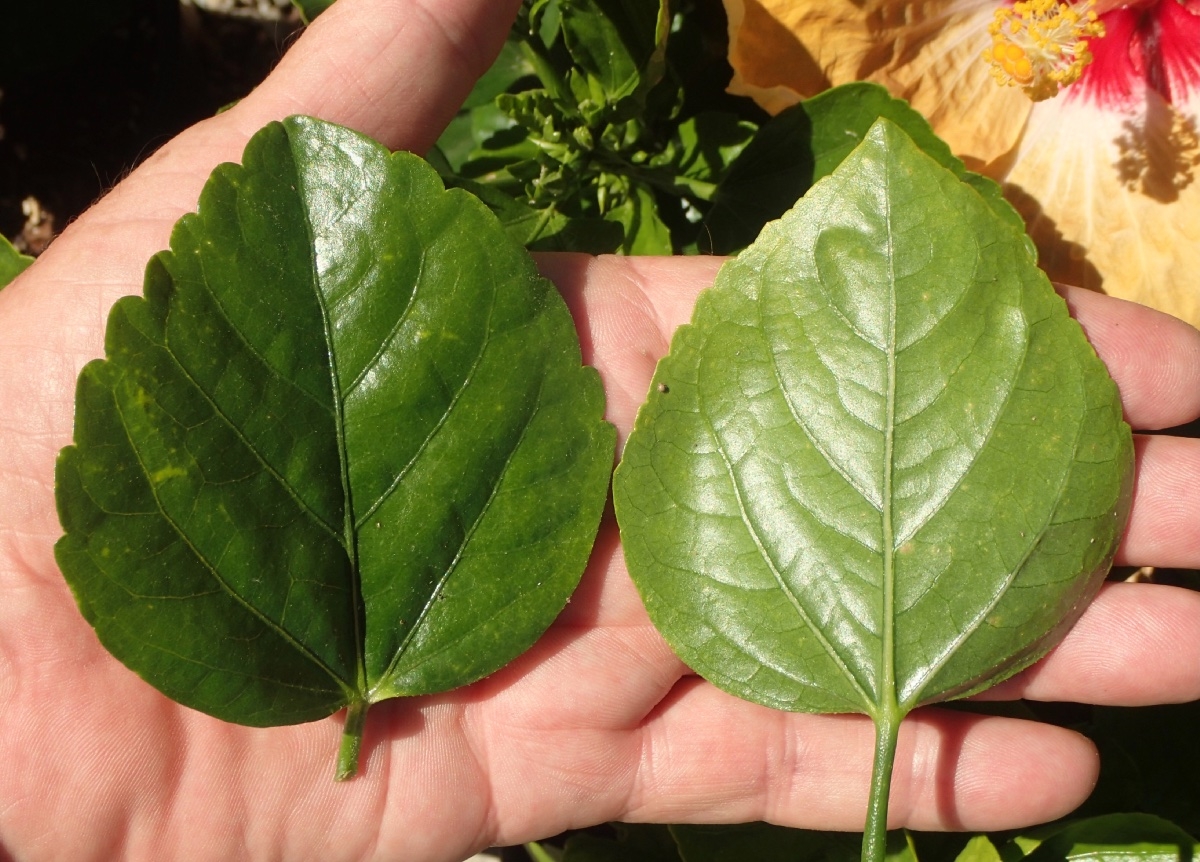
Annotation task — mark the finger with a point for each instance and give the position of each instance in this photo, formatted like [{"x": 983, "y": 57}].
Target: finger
[
  {"x": 1153, "y": 357},
  {"x": 1137, "y": 644},
  {"x": 706, "y": 756},
  {"x": 1164, "y": 524}
]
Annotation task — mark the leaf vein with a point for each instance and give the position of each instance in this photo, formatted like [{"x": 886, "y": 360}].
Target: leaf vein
[
  {"x": 790, "y": 594},
  {"x": 216, "y": 575},
  {"x": 453, "y": 566}
]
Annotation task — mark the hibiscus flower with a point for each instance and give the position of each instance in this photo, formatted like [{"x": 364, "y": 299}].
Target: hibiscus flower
[{"x": 1096, "y": 140}]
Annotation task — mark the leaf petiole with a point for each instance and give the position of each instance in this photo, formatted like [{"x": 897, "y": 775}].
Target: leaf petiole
[
  {"x": 887, "y": 730},
  {"x": 347, "y": 762}
]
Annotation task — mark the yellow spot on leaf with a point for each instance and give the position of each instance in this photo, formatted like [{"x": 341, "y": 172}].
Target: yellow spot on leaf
[{"x": 160, "y": 476}]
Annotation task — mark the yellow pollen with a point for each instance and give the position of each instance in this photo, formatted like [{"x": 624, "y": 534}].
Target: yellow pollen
[{"x": 1041, "y": 45}]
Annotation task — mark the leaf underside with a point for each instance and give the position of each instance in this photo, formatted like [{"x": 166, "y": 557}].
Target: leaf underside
[
  {"x": 882, "y": 466},
  {"x": 342, "y": 450}
]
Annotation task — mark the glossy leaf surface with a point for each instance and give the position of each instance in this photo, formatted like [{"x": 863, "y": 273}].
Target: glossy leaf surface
[
  {"x": 882, "y": 466},
  {"x": 342, "y": 450}
]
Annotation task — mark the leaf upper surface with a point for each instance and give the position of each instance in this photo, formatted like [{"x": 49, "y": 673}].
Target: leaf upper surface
[{"x": 342, "y": 450}]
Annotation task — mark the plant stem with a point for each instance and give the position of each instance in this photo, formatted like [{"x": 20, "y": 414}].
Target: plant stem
[
  {"x": 887, "y": 729},
  {"x": 347, "y": 763}
]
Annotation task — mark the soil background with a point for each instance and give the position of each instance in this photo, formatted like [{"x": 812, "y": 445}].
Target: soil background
[{"x": 86, "y": 96}]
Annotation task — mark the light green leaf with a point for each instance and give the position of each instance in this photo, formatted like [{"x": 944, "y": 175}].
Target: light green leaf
[
  {"x": 979, "y": 849},
  {"x": 645, "y": 232},
  {"x": 343, "y": 449},
  {"x": 12, "y": 262},
  {"x": 1116, "y": 838},
  {"x": 882, "y": 466}
]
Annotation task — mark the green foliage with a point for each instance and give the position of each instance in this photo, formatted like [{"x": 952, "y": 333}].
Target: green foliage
[
  {"x": 12, "y": 262},
  {"x": 882, "y": 466},
  {"x": 594, "y": 125},
  {"x": 602, "y": 126},
  {"x": 1112, "y": 838},
  {"x": 599, "y": 111},
  {"x": 343, "y": 450}
]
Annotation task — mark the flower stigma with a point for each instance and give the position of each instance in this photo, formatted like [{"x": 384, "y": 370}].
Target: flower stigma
[{"x": 1041, "y": 45}]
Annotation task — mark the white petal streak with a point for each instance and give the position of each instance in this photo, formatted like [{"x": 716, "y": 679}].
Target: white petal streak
[{"x": 1112, "y": 198}]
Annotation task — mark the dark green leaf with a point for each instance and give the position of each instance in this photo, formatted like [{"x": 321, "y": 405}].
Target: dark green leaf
[
  {"x": 702, "y": 149},
  {"x": 807, "y": 142},
  {"x": 12, "y": 262},
  {"x": 546, "y": 229},
  {"x": 468, "y": 136},
  {"x": 882, "y": 466},
  {"x": 509, "y": 67},
  {"x": 620, "y": 45},
  {"x": 343, "y": 450}
]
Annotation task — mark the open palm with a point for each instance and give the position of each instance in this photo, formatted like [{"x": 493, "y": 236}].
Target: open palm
[{"x": 599, "y": 721}]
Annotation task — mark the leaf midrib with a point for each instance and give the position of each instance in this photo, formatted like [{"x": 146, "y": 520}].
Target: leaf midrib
[
  {"x": 887, "y": 688},
  {"x": 339, "y": 421}
]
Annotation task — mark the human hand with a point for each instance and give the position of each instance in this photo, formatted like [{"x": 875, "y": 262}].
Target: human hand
[{"x": 599, "y": 721}]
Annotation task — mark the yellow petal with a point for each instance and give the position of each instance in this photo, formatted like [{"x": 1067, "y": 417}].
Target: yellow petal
[
  {"x": 1113, "y": 200},
  {"x": 929, "y": 53}
]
